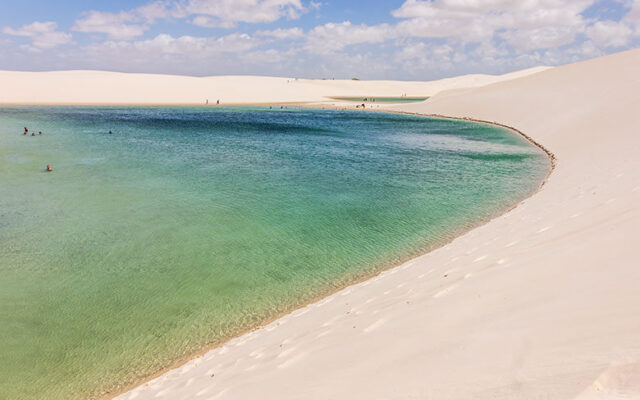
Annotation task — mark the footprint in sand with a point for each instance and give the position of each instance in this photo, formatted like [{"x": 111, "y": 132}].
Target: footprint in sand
[
  {"x": 469, "y": 252},
  {"x": 251, "y": 367},
  {"x": 299, "y": 313},
  {"x": 445, "y": 291},
  {"x": 617, "y": 381},
  {"x": 256, "y": 354},
  {"x": 292, "y": 360},
  {"x": 480, "y": 258},
  {"x": 134, "y": 394},
  {"x": 164, "y": 392},
  {"x": 375, "y": 325},
  {"x": 286, "y": 352},
  {"x": 219, "y": 394},
  {"x": 189, "y": 382},
  {"x": 323, "y": 333},
  {"x": 325, "y": 301},
  {"x": 331, "y": 321},
  {"x": 204, "y": 391}
]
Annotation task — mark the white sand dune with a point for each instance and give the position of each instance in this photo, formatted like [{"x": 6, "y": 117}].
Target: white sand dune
[
  {"x": 98, "y": 87},
  {"x": 541, "y": 303}
]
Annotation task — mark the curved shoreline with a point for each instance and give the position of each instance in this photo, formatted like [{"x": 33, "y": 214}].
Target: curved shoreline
[
  {"x": 409, "y": 259},
  {"x": 539, "y": 303}
]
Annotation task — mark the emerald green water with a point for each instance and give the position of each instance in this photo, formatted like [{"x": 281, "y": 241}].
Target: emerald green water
[
  {"x": 383, "y": 99},
  {"x": 189, "y": 225}
]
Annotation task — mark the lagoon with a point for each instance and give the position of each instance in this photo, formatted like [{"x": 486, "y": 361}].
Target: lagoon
[{"x": 190, "y": 225}]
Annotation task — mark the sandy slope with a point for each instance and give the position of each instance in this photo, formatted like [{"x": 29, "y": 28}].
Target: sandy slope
[
  {"x": 541, "y": 303},
  {"x": 112, "y": 87}
]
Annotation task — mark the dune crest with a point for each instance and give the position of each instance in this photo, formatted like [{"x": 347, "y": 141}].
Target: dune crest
[{"x": 102, "y": 87}]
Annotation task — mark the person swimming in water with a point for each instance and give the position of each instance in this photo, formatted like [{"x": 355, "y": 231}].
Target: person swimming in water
[
  {"x": 49, "y": 169},
  {"x": 110, "y": 133}
]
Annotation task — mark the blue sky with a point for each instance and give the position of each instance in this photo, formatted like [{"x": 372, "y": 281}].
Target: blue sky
[{"x": 404, "y": 39}]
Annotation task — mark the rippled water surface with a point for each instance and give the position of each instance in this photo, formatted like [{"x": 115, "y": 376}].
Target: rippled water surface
[{"x": 189, "y": 225}]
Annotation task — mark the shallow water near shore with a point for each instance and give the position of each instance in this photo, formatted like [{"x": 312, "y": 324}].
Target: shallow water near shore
[
  {"x": 189, "y": 225},
  {"x": 369, "y": 99}
]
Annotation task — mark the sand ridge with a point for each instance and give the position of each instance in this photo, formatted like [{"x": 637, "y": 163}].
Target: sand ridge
[{"x": 101, "y": 87}]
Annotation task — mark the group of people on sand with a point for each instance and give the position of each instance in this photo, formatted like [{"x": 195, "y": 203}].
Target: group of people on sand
[{"x": 26, "y": 132}]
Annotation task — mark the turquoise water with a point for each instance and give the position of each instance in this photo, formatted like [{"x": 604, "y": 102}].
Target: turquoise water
[
  {"x": 190, "y": 225},
  {"x": 383, "y": 99}
]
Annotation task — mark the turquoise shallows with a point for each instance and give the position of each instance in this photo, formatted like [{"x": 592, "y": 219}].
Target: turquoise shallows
[
  {"x": 189, "y": 225},
  {"x": 368, "y": 99}
]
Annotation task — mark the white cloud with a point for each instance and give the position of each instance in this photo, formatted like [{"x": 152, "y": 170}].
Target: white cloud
[
  {"x": 282, "y": 34},
  {"x": 155, "y": 10},
  {"x": 269, "y": 56},
  {"x": 632, "y": 18},
  {"x": 540, "y": 38},
  {"x": 43, "y": 35},
  {"x": 526, "y": 25},
  {"x": 184, "y": 46},
  {"x": 165, "y": 53},
  {"x": 609, "y": 34},
  {"x": 130, "y": 24},
  {"x": 228, "y": 13},
  {"x": 206, "y": 21},
  {"x": 333, "y": 37},
  {"x": 115, "y": 26},
  {"x": 474, "y": 21},
  {"x": 416, "y": 56}
]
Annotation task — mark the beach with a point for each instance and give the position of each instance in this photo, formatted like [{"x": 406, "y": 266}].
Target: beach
[{"x": 541, "y": 302}]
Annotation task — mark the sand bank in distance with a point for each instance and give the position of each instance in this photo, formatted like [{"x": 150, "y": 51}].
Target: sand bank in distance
[{"x": 99, "y": 87}]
